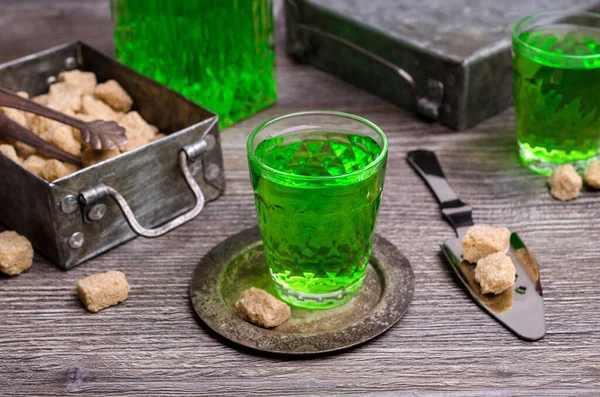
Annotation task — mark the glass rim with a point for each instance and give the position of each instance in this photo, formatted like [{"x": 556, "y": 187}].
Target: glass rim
[
  {"x": 371, "y": 165},
  {"x": 517, "y": 39}
]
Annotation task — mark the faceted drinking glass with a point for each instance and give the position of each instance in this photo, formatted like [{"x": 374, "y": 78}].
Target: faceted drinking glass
[
  {"x": 317, "y": 178},
  {"x": 556, "y": 71}
]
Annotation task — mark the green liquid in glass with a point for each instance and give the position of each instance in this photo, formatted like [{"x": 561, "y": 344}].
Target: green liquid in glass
[
  {"x": 219, "y": 53},
  {"x": 318, "y": 233},
  {"x": 557, "y": 96}
]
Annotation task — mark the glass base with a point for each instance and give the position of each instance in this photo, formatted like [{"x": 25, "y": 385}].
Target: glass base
[
  {"x": 317, "y": 301},
  {"x": 544, "y": 166}
]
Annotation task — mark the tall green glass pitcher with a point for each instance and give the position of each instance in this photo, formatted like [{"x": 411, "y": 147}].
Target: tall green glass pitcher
[{"x": 219, "y": 53}]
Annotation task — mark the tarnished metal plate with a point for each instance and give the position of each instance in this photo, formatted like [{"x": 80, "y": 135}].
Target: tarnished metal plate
[
  {"x": 239, "y": 263},
  {"x": 463, "y": 45}
]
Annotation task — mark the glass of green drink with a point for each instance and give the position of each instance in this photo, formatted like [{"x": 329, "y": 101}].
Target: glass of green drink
[
  {"x": 556, "y": 71},
  {"x": 317, "y": 179}
]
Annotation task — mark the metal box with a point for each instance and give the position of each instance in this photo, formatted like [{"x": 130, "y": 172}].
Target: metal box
[
  {"x": 163, "y": 183},
  {"x": 445, "y": 60}
]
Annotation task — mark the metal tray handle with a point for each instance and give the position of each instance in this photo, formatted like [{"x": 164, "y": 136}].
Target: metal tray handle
[
  {"x": 428, "y": 105},
  {"x": 189, "y": 153}
]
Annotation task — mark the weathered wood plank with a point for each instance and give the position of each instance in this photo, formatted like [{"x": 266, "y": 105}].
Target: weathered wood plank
[{"x": 444, "y": 346}]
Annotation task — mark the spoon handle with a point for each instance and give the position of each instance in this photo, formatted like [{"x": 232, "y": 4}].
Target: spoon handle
[
  {"x": 11, "y": 129},
  {"x": 458, "y": 213}
]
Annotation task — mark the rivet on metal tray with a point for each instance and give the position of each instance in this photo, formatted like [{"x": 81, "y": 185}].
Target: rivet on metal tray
[
  {"x": 194, "y": 150},
  {"x": 212, "y": 172},
  {"x": 210, "y": 142},
  {"x": 76, "y": 240},
  {"x": 447, "y": 109},
  {"x": 97, "y": 212},
  {"x": 51, "y": 80},
  {"x": 435, "y": 88},
  {"x": 70, "y": 63},
  {"x": 430, "y": 106},
  {"x": 451, "y": 79},
  {"x": 69, "y": 204}
]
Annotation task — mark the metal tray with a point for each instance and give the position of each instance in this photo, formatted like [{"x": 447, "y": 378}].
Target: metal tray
[
  {"x": 239, "y": 263},
  {"x": 445, "y": 60},
  {"x": 163, "y": 183}
]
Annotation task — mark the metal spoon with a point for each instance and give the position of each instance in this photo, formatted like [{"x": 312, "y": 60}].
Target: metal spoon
[
  {"x": 521, "y": 308},
  {"x": 100, "y": 135}
]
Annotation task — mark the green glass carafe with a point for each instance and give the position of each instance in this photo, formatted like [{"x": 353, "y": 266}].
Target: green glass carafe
[{"x": 218, "y": 53}]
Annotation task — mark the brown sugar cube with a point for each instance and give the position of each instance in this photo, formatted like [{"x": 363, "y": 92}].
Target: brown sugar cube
[
  {"x": 482, "y": 240},
  {"x": 133, "y": 120},
  {"x": 137, "y": 130},
  {"x": 41, "y": 99},
  {"x": 495, "y": 273},
  {"x": 84, "y": 81},
  {"x": 91, "y": 157},
  {"x": 35, "y": 164},
  {"x": 158, "y": 137},
  {"x": 134, "y": 141},
  {"x": 114, "y": 95},
  {"x": 16, "y": 253},
  {"x": 102, "y": 290},
  {"x": 84, "y": 117},
  {"x": 16, "y": 115},
  {"x": 10, "y": 152},
  {"x": 24, "y": 150},
  {"x": 40, "y": 125},
  {"x": 592, "y": 174},
  {"x": 56, "y": 169},
  {"x": 97, "y": 109},
  {"x": 565, "y": 183},
  {"x": 64, "y": 97},
  {"x": 64, "y": 138},
  {"x": 261, "y": 308},
  {"x": 72, "y": 168}
]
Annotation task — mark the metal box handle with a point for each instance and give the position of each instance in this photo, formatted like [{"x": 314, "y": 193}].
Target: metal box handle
[
  {"x": 428, "y": 105},
  {"x": 189, "y": 153}
]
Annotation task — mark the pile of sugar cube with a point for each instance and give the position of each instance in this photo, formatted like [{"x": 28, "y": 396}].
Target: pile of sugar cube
[
  {"x": 565, "y": 184},
  {"x": 76, "y": 94},
  {"x": 97, "y": 292},
  {"x": 486, "y": 246}
]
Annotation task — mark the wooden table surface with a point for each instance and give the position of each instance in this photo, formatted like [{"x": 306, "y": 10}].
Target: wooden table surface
[{"x": 444, "y": 346}]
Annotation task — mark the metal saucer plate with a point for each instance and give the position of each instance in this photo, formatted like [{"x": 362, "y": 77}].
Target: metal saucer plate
[{"x": 239, "y": 263}]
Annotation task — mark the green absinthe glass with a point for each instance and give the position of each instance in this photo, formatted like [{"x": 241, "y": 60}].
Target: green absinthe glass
[
  {"x": 556, "y": 70},
  {"x": 218, "y": 53},
  {"x": 317, "y": 179}
]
